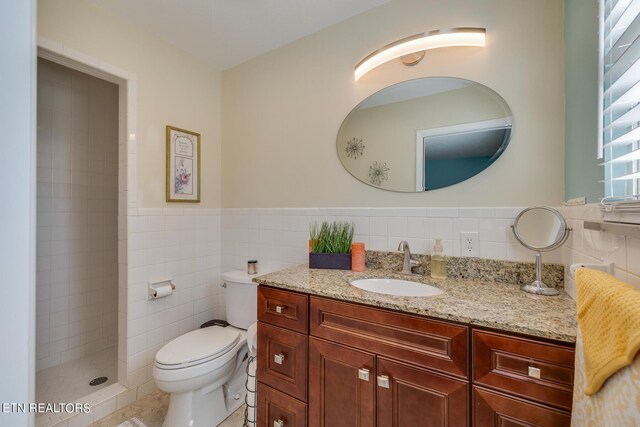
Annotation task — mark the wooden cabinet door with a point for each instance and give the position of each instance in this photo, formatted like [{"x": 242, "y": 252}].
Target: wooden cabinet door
[
  {"x": 493, "y": 409},
  {"x": 341, "y": 386},
  {"x": 412, "y": 396}
]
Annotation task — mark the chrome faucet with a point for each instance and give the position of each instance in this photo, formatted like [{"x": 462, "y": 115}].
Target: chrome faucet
[{"x": 408, "y": 262}]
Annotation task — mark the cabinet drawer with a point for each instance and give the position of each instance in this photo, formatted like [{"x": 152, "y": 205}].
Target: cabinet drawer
[
  {"x": 492, "y": 409},
  {"x": 430, "y": 343},
  {"x": 532, "y": 369},
  {"x": 283, "y": 360},
  {"x": 282, "y": 308},
  {"x": 278, "y": 409}
]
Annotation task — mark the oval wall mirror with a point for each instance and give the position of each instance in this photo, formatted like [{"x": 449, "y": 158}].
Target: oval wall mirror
[
  {"x": 424, "y": 134},
  {"x": 540, "y": 229}
]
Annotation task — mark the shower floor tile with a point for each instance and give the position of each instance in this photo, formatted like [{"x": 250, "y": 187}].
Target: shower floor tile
[{"x": 69, "y": 381}]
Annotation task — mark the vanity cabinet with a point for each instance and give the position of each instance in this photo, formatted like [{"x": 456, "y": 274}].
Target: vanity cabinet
[{"x": 323, "y": 362}]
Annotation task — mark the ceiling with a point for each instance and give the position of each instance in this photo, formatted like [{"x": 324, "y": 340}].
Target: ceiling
[{"x": 225, "y": 33}]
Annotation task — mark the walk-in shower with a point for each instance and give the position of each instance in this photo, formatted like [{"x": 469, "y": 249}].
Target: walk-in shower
[{"x": 77, "y": 234}]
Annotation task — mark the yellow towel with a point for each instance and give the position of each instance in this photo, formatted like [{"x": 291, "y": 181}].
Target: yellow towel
[{"x": 609, "y": 319}]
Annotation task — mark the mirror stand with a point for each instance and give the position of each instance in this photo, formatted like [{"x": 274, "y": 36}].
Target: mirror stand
[
  {"x": 538, "y": 286},
  {"x": 540, "y": 229}
]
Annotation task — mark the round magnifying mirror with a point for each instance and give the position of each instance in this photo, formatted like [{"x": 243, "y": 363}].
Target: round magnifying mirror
[{"x": 540, "y": 229}]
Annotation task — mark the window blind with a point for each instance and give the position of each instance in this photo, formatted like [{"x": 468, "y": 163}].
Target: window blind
[{"x": 620, "y": 75}]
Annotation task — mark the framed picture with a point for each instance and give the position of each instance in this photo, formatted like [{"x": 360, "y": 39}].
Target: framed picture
[{"x": 183, "y": 165}]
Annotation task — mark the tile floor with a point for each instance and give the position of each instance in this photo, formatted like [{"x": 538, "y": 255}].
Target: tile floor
[
  {"x": 151, "y": 410},
  {"x": 69, "y": 381}
]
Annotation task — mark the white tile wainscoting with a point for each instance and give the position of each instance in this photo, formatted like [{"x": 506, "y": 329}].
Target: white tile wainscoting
[
  {"x": 178, "y": 244},
  {"x": 278, "y": 238},
  {"x": 596, "y": 247}
]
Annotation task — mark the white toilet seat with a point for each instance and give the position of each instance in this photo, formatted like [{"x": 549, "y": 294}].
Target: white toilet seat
[
  {"x": 197, "y": 371},
  {"x": 197, "y": 347}
]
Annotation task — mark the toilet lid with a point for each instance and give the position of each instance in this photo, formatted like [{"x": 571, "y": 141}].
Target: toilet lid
[{"x": 198, "y": 346}]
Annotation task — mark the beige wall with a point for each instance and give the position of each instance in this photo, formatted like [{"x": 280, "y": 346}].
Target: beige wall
[
  {"x": 389, "y": 131},
  {"x": 281, "y": 111},
  {"x": 173, "y": 88}
]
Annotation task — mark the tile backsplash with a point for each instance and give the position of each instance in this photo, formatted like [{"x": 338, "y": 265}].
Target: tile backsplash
[
  {"x": 278, "y": 238},
  {"x": 595, "y": 247}
]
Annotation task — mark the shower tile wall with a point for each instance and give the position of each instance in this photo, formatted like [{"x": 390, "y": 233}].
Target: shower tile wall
[{"x": 77, "y": 261}]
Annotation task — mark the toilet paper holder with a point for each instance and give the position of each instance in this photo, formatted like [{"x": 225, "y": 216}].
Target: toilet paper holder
[{"x": 161, "y": 289}]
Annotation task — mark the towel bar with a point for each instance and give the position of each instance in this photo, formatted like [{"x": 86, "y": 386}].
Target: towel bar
[{"x": 632, "y": 230}]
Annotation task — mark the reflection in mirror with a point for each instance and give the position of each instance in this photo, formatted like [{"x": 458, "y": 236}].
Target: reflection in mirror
[
  {"x": 456, "y": 153},
  {"x": 424, "y": 134},
  {"x": 540, "y": 229}
]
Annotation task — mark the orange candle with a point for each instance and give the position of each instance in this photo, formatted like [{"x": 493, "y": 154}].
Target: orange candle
[{"x": 357, "y": 257}]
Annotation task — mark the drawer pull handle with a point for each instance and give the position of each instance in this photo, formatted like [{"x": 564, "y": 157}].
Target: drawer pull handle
[
  {"x": 383, "y": 381},
  {"x": 278, "y": 423},
  {"x": 534, "y": 372},
  {"x": 279, "y": 358},
  {"x": 280, "y": 308},
  {"x": 363, "y": 374}
]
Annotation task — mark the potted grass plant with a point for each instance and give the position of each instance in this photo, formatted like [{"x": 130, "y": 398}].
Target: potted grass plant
[{"x": 331, "y": 245}]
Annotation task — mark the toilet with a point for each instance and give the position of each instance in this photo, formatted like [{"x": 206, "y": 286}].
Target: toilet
[{"x": 205, "y": 370}]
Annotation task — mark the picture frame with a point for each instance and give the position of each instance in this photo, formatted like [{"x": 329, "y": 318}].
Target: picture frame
[{"x": 183, "y": 165}]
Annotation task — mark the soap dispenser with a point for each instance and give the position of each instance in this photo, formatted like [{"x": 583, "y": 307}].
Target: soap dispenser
[{"x": 438, "y": 262}]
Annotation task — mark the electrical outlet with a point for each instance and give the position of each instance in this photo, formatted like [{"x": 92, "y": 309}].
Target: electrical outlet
[
  {"x": 469, "y": 244},
  {"x": 607, "y": 268}
]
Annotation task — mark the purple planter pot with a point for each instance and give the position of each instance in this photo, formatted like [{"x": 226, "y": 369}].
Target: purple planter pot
[{"x": 330, "y": 261}]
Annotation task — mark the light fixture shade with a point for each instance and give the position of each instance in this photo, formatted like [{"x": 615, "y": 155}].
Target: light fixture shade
[{"x": 421, "y": 42}]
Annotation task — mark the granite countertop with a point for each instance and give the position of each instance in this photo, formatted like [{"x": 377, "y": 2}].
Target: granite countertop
[{"x": 490, "y": 304}]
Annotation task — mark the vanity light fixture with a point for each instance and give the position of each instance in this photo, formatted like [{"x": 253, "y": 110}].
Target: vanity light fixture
[{"x": 419, "y": 43}]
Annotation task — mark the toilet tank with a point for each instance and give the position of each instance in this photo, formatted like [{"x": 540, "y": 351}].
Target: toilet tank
[{"x": 240, "y": 298}]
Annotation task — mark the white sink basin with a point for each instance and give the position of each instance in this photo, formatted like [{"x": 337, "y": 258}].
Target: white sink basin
[{"x": 403, "y": 288}]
